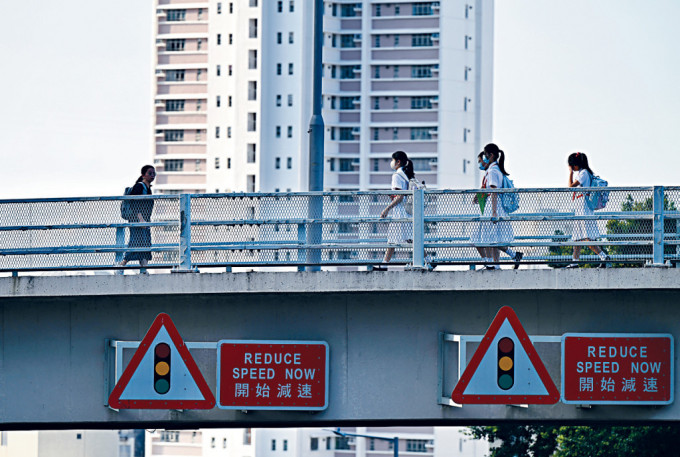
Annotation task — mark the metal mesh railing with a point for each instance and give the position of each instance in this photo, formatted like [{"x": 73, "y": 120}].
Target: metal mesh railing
[{"x": 435, "y": 227}]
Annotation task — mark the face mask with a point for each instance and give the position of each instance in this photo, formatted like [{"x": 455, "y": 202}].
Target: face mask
[
  {"x": 481, "y": 166},
  {"x": 486, "y": 160},
  {"x": 393, "y": 165}
]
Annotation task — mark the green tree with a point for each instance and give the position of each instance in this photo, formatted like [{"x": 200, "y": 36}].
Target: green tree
[
  {"x": 518, "y": 440},
  {"x": 644, "y": 228}
]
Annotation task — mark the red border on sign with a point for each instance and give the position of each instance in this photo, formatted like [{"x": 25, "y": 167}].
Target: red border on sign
[
  {"x": 458, "y": 395},
  {"x": 162, "y": 320}
]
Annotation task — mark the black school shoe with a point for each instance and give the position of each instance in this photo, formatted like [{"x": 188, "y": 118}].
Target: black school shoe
[{"x": 518, "y": 258}]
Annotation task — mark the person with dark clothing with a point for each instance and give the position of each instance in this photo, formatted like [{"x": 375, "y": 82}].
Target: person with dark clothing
[{"x": 140, "y": 237}]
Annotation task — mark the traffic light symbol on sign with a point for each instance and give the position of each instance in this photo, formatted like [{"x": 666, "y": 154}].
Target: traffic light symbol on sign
[
  {"x": 506, "y": 363},
  {"x": 161, "y": 366}
]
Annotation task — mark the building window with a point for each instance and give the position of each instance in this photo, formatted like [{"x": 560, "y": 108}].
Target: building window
[
  {"x": 174, "y": 105},
  {"x": 421, "y": 133},
  {"x": 277, "y": 163},
  {"x": 175, "y": 45},
  {"x": 218, "y": 70},
  {"x": 217, "y": 163},
  {"x": 278, "y": 69},
  {"x": 278, "y": 100},
  {"x": 173, "y": 165},
  {"x": 290, "y": 38},
  {"x": 342, "y": 442},
  {"x": 173, "y": 135},
  {"x": 228, "y": 132},
  {"x": 397, "y": 10},
  {"x": 230, "y": 70},
  {"x": 252, "y": 28},
  {"x": 231, "y": 7},
  {"x": 278, "y": 131},
  {"x": 395, "y": 103},
  {"x": 377, "y": 41},
  {"x": 376, "y": 102},
  {"x": 349, "y": 103},
  {"x": 421, "y": 71},
  {"x": 176, "y": 15},
  {"x": 252, "y": 59},
  {"x": 421, "y": 40},
  {"x": 466, "y": 102},
  {"x": 247, "y": 433},
  {"x": 289, "y": 165},
  {"x": 290, "y": 131},
  {"x": 252, "y": 90},
  {"x": 231, "y": 38},
  {"x": 371, "y": 442},
  {"x": 279, "y": 6},
  {"x": 466, "y": 132},
  {"x": 346, "y": 134},
  {"x": 219, "y": 38},
  {"x": 328, "y": 444},
  {"x": 218, "y": 101},
  {"x": 229, "y": 101},
  {"x": 169, "y": 436},
  {"x": 290, "y": 68},
  {"x": 468, "y": 70},
  {"x": 395, "y": 133},
  {"x": 285, "y": 442},
  {"x": 224, "y": 443},
  {"x": 416, "y": 445},
  {"x": 291, "y": 6},
  {"x": 396, "y": 71},
  {"x": 273, "y": 445},
  {"x": 217, "y": 132},
  {"x": 198, "y": 74},
  {"x": 279, "y": 37},
  {"x": 228, "y": 162},
  {"x": 199, "y": 44},
  {"x": 378, "y": 10},
  {"x": 251, "y": 152},
  {"x": 349, "y": 9},
  {"x": 422, "y": 9},
  {"x": 314, "y": 444},
  {"x": 219, "y": 7},
  {"x": 376, "y": 72},
  {"x": 290, "y": 99},
  {"x": 253, "y": 3},
  {"x": 467, "y": 41},
  {"x": 396, "y": 41},
  {"x": 376, "y": 134},
  {"x": 421, "y": 102},
  {"x": 251, "y": 188},
  {"x": 349, "y": 71},
  {"x": 174, "y": 75},
  {"x": 252, "y": 122}
]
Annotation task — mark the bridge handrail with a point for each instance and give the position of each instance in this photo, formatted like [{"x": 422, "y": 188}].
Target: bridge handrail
[{"x": 639, "y": 225}]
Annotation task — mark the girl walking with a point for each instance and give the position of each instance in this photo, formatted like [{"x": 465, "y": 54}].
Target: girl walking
[
  {"x": 580, "y": 175},
  {"x": 492, "y": 160},
  {"x": 140, "y": 237},
  {"x": 398, "y": 232}
]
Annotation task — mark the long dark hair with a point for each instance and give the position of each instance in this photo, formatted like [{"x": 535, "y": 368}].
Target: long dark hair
[
  {"x": 406, "y": 163},
  {"x": 495, "y": 154},
  {"x": 145, "y": 168},
  {"x": 580, "y": 160}
]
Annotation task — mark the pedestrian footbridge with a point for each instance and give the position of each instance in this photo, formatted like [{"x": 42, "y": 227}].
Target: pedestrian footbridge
[{"x": 397, "y": 341}]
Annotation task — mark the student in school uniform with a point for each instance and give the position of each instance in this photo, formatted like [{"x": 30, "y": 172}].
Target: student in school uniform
[
  {"x": 487, "y": 232},
  {"x": 140, "y": 237},
  {"x": 398, "y": 232},
  {"x": 580, "y": 175}
]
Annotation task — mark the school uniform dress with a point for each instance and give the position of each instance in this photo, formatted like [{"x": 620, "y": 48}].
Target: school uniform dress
[
  {"x": 140, "y": 237},
  {"x": 583, "y": 229},
  {"x": 399, "y": 232},
  {"x": 486, "y": 231}
]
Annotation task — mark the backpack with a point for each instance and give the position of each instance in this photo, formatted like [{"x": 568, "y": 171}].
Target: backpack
[
  {"x": 509, "y": 201},
  {"x": 126, "y": 211},
  {"x": 413, "y": 184},
  {"x": 599, "y": 199}
]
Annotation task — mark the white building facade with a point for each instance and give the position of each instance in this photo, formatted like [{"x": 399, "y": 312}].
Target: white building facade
[{"x": 233, "y": 92}]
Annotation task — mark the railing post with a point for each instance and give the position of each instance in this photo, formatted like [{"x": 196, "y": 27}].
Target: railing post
[
  {"x": 184, "y": 265},
  {"x": 120, "y": 241},
  {"x": 418, "y": 230},
  {"x": 658, "y": 250},
  {"x": 301, "y": 253}
]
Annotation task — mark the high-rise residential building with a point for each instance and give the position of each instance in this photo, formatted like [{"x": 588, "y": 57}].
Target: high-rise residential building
[
  {"x": 233, "y": 92},
  {"x": 314, "y": 442}
]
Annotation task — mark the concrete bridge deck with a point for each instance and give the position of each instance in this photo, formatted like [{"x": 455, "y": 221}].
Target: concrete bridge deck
[{"x": 383, "y": 330}]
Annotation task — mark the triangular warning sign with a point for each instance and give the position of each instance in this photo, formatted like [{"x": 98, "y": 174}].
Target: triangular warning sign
[
  {"x": 506, "y": 368},
  {"x": 162, "y": 374}
]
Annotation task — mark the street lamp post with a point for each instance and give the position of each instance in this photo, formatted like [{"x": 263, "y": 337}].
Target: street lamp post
[{"x": 394, "y": 441}]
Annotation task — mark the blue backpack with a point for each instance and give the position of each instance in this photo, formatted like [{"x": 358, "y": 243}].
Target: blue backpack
[
  {"x": 126, "y": 207},
  {"x": 599, "y": 199},
  {"x": 509, "y": 201}
]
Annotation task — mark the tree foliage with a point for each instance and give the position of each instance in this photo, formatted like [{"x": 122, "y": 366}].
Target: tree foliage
[{"x": 579, "y": 441}]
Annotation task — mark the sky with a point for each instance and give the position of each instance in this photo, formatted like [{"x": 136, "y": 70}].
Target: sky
[{"x": 596, "y": 76}]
